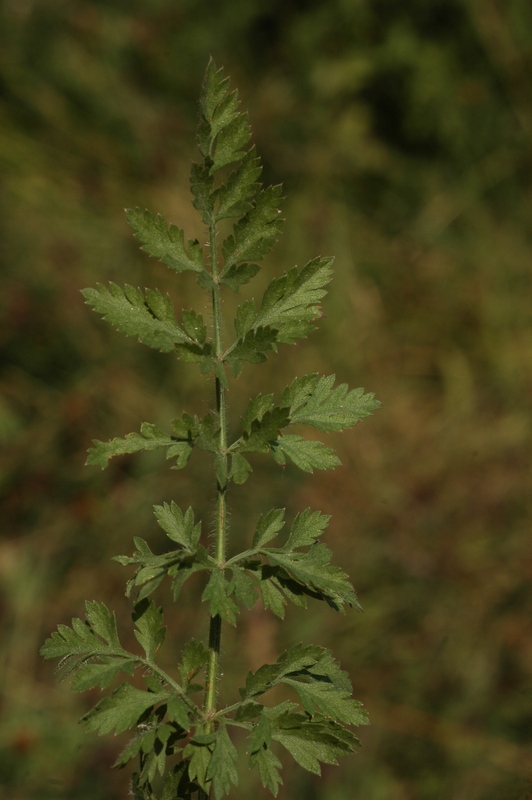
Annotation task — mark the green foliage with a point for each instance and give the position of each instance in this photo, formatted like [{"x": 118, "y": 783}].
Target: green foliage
[
  {"x": 166, "y": 243},
  {"x": 165, "y": 720},
  {"x": 150, "y": 317}
]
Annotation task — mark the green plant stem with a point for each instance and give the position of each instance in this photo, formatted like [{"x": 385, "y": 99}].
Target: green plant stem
[{"x": 221, "y": 490}]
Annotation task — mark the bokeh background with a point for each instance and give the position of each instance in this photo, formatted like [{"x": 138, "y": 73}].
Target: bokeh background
[{"x": 402, "y": 134}]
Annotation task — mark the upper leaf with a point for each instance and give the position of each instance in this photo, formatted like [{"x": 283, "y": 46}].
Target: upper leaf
[
  {"x": 102, "y": 622},
  {"x": 217, "y": 593},
  {"x": 243, "y": 587},
  {"x": 194, "y": 657},
  {"x": 240, "y": 468},
  {"x": 313, "y": 401},
  {"x": 268, "y": 527},
  {"x": 313, "y": 570},
  {"x": 313, "y": 741},
  {"x": 256, "y": 409},
  {"x": 256, "y": 233},
  {"x": 235, "y": 197},
  {"x": 151, "y": 318},
  {"x": 178, "y": 526},
  {"x": 306, "y": 454},
  {"x": 222, "y": 131},
  {"x": 308, "y": 400},
  {"x": 232, "y": 136},
  {"x": 83, "y": 639},
  {"x": 317, "y": 678},
  {"x": 167, "y": 243},
  {"x": 252, "y": 348},
  {"x": 295, "y": 575},
  {"x": 90, "y": 675},
  {"x": 91, "y": 649},
  {"x": 178, "y": 564},
  {"x": 289, "y": 306},
  {"x": 263, "y": 431},
  {"x": 292, "y": 302},
  {"x": 201, "y": 184},
  {"x": 214, "y": 89},
  {"x": 150, "y": 631},
  {"x": 307, "y": 527},
  {"x": 149, "y": 438},
  {"x": 239, "y": 274}
]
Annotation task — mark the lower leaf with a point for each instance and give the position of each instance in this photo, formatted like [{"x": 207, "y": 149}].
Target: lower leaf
[
  {"x": 122, "y": 710},
  {"x": 269, "y": 766},
  {"x": 311, "y": 742}
]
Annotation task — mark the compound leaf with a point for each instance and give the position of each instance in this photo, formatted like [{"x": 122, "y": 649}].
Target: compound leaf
[
  {"x": 241, "y": 188},
  {"x": 292, "y": 302},
  {"x": 178, "y": 564},
  {"x": 263, "y": 432},
  {"x": 313, "y": 401},
  {"x": 252, "y": 348},
  {"x": 194, "y": 326},
  {"x": 242, "y": 586},
  {"x": 82, "y": 639},
  {"x": 269, "y": 766},
  {"x": 121, "y": 710},
  {"x": 261, "y": 734},
  {"x": 318, "y": 680},
  {"x": 306, "y": 528},
  {"x": 89, "y": 676},
  {"x": 179, "y": 527},
  {"x": 238, "y": 275},
  {"x": 194, "y": 657},
  {"x": 167, "y": 243},
  {"x": 103, "y": 622},
  {"x": 151, "y": 631},
  {"x": 214, "y": 89},
  {"x": 306, "y": 454},
  {"x": 232, "y": 137},
  {"x": 222, "y": 770},
  {"x": 272, "y": 597},
  {"x": 149, "y": 438},
  {"x": 201, "y": 184},
  {"x": 268, "y": 527},
  {"x": 217, "y": 594},
  {"x": 256, "y": 233},
  {"x": 245, "y": 317},
  {"x": 311, "y": 741},
  {"x": 240, "y": 468},
  {"x": 313, "y": 570},
  {"x": 151, "y": 318}
]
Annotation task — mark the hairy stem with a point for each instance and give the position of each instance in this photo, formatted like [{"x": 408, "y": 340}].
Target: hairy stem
[{"x": 221, "y": 489}]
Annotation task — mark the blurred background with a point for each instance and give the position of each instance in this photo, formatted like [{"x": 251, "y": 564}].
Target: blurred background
[{"x": 402, "y": 134}]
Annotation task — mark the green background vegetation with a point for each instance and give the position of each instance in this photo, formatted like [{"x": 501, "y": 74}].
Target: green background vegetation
[{"x": 402, "y": 134}]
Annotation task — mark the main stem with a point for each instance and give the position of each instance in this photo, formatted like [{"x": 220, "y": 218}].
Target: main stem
[{"x": 221, "y": 488}]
